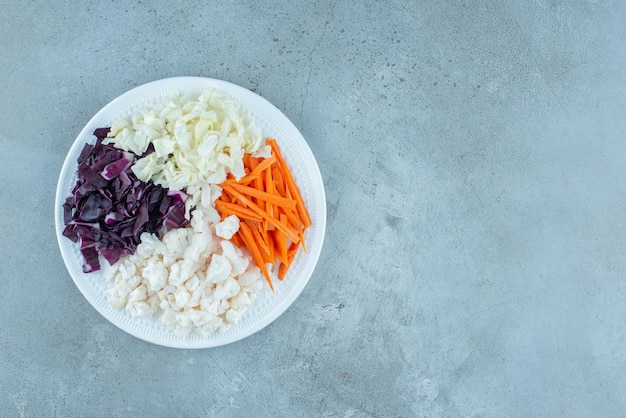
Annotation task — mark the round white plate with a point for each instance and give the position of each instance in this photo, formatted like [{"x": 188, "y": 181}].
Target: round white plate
[{"x": 273, "y": 123}]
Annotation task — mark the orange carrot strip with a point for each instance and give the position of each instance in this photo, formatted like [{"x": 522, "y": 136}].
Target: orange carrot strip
[
  {"x": 264, "y": 196},
  {"x": 269, "y": 239},
  {"x": 257, "y": 184},
  {"x": 292, "y": 251},
  {"x": 291, "y": 184},
  {"x": 261, "y": 244},
  {"x": 253, "y": 162},
  {"x": 282, "y": 241},
  {"x": 271, "y": 209},
  {"x": 236, "y": 239},
  {"x": 272, "y": 221},
  {"x": 248, "y": 240},
  {"x": 268, "y": 184},
  {"x": 245, "y": 180},
  {"x": 280, "y": 184},
  {"x": 297, "y": 225},
  {"x": 293, "y": 218},
  {"x": 241, "y": 212},
  {"x": 278, "y": 240},
  {"x": 227, "y": 197},
  {"x": 301, "y": 242},
  {"x": 266, "y": 163},
  {"x": 282, "y": 271},
  {"x": 291, "y": 254}
]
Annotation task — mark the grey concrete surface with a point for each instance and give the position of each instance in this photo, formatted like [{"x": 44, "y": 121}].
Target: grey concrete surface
[{"x": 474, "y": 159}]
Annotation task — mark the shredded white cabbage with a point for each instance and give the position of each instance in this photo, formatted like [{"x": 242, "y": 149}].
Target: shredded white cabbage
[{"x": 197, "y": 139}]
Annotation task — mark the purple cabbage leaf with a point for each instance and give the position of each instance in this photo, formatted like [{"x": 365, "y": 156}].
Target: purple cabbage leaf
[{"x": 110, "y": 208}]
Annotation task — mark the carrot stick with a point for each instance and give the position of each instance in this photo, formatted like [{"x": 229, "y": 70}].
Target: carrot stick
[
  {"x": 291, "y": 184},
  {"x": 268, "y": 184},
  {"x": 245, "y": 180},
  {"x": 282, "y": 242},
  {"x": 292, "y": 251},
  {"x": 227, "y": 208},
  {"x": 264, "y": 196},
  {"x": 280, "y": 184},
  {"x": 271, "y": 209},
  {"x": 248, "y": 239},
  {"x": 252, "y": 162},
  {"x": 236, "y": 239},
  {"x": 282, "y": 271},
  {"x": 266, "y": 163},
  {"x": 301, "y": 242},
  {"x": 258, "y": 186},
  {"x": 261, "y": 244},
  {"x": 291, "y": 254},
  {"x": 292, "y": 217},
  {"x": 288, "y": 232},
  {"x": 269, "y": 239}
]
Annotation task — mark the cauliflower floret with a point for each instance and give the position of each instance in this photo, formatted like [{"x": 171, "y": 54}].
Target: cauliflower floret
[
  {"x": 226, "y": 289},
  {"x": 235, "y": 256},
  {"x": 233, "y": 315},
  {"x": 228, "y": 227},
  {"x": 182, "y": 297},
  {"x": 219, "y": 269},
  {"x": 155, "y": 274},
  {"x": 200, "y": 243},
  {"x": 250, "y": 277},
  {"x": 140, "y": 309},
  {"x": 241, "y": 300},
  {"x": 176, "y": 242}
]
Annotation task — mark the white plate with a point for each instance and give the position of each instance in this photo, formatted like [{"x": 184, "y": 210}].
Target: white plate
[{"x": 273, "y": 123}]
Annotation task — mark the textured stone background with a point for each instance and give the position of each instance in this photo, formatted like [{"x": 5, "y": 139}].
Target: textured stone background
[{"x": 473, "y": 155}]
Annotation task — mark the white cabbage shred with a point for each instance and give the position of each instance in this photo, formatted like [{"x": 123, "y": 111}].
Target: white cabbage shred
[{"x": 196, "y": 139}]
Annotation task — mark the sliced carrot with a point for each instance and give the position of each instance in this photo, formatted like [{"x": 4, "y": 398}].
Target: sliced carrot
[
  {"x": 282, "y": 271},
  {"x": 264, "y": 196},
  {"x": 248, "y": 240},
  {"x": 288, "y": 232},
  {"x": 292, "y": 251},
  {"x": 236, "y": 239},
  {"x": 291, "y": 184},
  {"x": 269, "y": 238},
  {"x": 245, "y": 180},
  {"x": 241, "y": 212},
  {"x": 292, "y": 217},
  {"x": 258, "y": 186},
  {"x": 301, "y": 242},
  {"x": 291, "y": 254},
  {"x": 268, "y": 184},
  {"x": 253, "y": 162},
  {"x": 261, "y": 243},
  {"x": 282, "y": 242},
  {"x": 280, "y": 184},
  {"x": 266, "y": 163},
  {"x": 272, "y": 213}
]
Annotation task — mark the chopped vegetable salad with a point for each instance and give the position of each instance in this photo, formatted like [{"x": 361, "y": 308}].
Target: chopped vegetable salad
[{"x": 190, "y": 207}]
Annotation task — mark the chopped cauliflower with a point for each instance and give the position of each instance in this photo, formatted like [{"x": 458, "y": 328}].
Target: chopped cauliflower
[
  {"x": 190, "y": 277},
  {"x": 228, "y": 227}
]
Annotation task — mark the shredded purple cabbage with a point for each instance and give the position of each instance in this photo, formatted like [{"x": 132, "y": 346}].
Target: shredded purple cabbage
[{"x": 110, "y": 207}]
